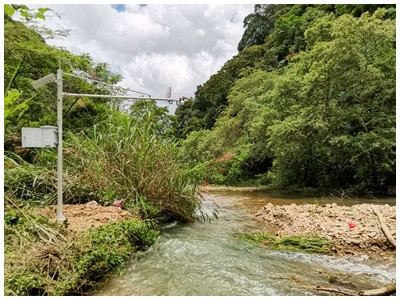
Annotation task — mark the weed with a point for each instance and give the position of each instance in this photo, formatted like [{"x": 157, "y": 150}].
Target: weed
[
  {"x": 316, "y": 209},
  {"x": 304, "y": 243}
]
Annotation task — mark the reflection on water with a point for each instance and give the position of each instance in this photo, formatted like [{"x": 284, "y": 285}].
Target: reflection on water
[
  {"x": 254, "y": 200},
  {"x": 204, "y": 259}
]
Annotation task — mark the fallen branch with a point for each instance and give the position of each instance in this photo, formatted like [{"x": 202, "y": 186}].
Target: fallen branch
[
  {"x": 333, "y": 290},
  {"x": 384, "y": 228},
  {"x": 386, "y": 290}
]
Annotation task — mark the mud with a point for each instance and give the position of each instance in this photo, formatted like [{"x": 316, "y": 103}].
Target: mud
[{"x": 331, "y": 221}]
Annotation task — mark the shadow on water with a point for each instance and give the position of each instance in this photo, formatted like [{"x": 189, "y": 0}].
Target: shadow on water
[{"x": 205, "y": 259}]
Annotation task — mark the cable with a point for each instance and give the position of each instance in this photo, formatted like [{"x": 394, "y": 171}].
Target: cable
[{"x": 71, "y": 107}]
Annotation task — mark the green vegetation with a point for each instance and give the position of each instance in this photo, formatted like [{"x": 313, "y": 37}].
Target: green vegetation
[
  {"x": 41, "y": 259},
  {"x": 110, "y": 154},
  {"x": 310, "y": 243},
  {"x": 309, "y": 101}
]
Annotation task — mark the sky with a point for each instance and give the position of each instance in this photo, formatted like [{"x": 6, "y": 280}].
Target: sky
[{"x": 153, "y": 46}]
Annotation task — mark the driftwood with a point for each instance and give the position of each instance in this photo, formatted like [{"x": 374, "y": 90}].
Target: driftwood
[
  {"x": 333, "y": 290},
  {"x": 384, "y": 228},
  {"x": 385, "y": 290}
]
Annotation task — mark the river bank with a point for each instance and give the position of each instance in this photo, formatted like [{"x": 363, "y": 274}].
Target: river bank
[
  {"x": 44, "y": 257},
  {"x": 353, "y": 230},
  {"x": 208, "y": 259}
]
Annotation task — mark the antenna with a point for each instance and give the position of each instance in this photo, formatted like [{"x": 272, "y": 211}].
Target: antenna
[{"x": 168, "y": 94}]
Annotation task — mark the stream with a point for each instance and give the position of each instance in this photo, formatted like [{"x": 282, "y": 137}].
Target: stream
[{"x": 206, "y": 259}]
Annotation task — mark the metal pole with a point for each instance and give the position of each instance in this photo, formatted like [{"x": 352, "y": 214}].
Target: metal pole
[
  {"x": 102, "y": 82},
  {"x": 119, "y": 97},
  {"x": 60, "y": 216}
]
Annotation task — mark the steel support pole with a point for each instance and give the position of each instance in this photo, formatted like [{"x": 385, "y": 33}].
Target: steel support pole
[{"x": 60, "y": 217}]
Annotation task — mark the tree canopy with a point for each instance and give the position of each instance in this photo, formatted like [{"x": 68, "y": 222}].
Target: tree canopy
[{"x": 319, "y": 112}]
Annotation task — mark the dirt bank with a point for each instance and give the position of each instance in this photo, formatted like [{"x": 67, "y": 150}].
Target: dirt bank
[
  {"x": 331, "y": 221},
  {"x": 83, "y": 216}
]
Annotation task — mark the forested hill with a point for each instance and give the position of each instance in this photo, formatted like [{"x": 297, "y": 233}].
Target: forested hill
[{"x": 309, "y": 101}]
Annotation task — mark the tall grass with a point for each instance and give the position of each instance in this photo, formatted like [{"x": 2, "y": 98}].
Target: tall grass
[
  {"x": 120, "y": 158},
  {"x": 124, "y": 159}
]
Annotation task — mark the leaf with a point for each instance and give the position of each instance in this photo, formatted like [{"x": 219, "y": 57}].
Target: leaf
[
  {"x": 9, "y": 10},
  {"x": 24, "y": 13},
  {"x": 43, "y": 10},
  {"x": 39, "y": 15},
  {"x": 81, "y": 103}
]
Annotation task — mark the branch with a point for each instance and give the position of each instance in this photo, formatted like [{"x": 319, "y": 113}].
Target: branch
[
  {"x": 384, "y": 228},
  {"x": 386, "y": 290}
]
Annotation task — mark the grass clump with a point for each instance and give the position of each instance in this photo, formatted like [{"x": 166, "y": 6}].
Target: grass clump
[
  {"x": 123, "y": 158},
  {"x": 120, "y": 158},
  {"x": 311, "y": 242},
  {"x": 70, "y": 264}
]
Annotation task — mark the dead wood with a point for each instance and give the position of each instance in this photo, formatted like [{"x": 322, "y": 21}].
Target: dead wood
[{"x": 384, "y": 228}]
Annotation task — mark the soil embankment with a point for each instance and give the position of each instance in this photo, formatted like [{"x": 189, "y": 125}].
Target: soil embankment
[
  {"x": 81, "y": 217},
  {"x": 332, "y": 221}
]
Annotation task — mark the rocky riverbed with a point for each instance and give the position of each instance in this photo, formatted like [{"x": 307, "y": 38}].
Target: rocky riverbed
[{"x": 332, "y": 221}]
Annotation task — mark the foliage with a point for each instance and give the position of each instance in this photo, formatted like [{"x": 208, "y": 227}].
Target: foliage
[
  {"x": 211, "y": 98},
  {"x": 321, "y": 118},
  {"x": 28, "y": 14},
  {"x": 124, "y": 155},
  {"x": 289, "y": 35},
  {"x": 310, "y": 243},
  {"x": 27, "y": 58},
  {"x": 164, "y": 124},
  {"x": 71, "y": 265},
  {"x": 120, "y": 158}
]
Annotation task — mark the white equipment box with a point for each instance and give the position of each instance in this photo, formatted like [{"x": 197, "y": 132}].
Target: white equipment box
[{"x": 45, "y": 136}]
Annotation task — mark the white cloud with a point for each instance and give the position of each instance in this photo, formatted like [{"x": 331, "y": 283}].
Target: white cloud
[{"x": 155, "y": 46}]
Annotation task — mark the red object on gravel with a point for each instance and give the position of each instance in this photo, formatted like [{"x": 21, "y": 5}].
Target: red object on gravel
[
  {"x": 118, "y": 203},
  {"x": 352, "y": 225}
]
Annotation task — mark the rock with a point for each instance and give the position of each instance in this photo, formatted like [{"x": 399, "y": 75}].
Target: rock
[
  {"x": 269, "y": 205},
  {"x": 92, "y": 203},
  {"x": 334, "y": 205}
]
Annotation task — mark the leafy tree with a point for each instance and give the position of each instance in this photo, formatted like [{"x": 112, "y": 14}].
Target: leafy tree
[
  {"x": 260, "y": 24},
  {"x": 289, "y": 35},
  {"x": 211, "y": 98},
  {"x": 25, "y": 48},
  {"x": 325, "y": 120}
]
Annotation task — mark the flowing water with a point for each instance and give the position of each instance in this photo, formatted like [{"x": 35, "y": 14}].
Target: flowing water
[{"x": 207, "y": 259}]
